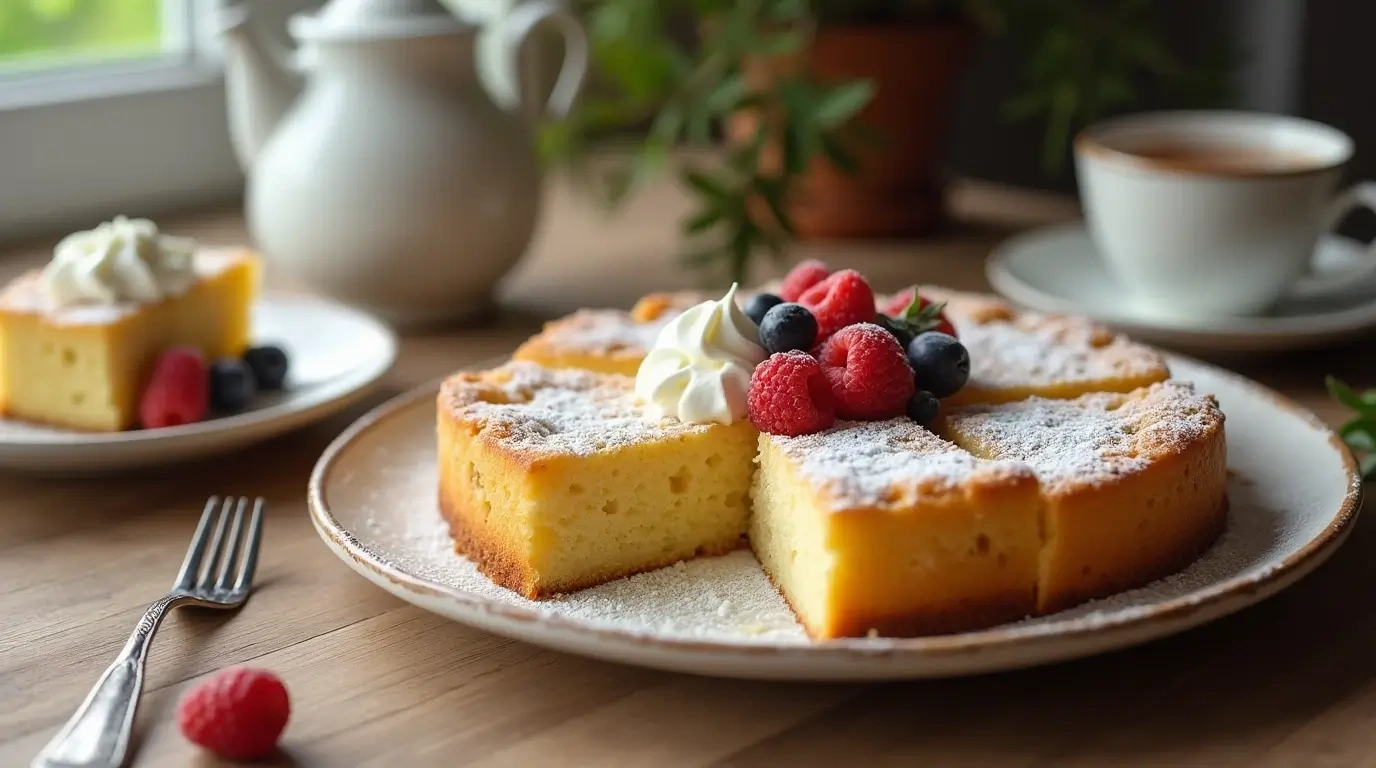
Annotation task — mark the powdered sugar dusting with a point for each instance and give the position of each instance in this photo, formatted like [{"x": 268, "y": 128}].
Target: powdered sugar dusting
[
  {"x": 603, "y": 332},
  {"x": 542, "y": 411},
  {"x": 859, "y": 465},
  {"x": 1039, "y": 350},
  {"x": 1092, "y": 439}
]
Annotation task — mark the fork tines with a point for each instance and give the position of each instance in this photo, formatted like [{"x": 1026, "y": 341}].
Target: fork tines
[{"x": 222, "y": 558}]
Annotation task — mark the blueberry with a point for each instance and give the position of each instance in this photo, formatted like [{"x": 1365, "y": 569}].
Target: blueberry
[
  {"x": 269, "y": 366},
  {"x": 787, "y": 326},
  {"x": 231, "y": 385},
  {"x": 923, "y": 407},
  {"x": 940, "y": 362},
  {"x": 759, "y": 304},
  {"x": 901, "y": 330}
]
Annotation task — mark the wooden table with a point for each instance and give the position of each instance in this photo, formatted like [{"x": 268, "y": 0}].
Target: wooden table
[{"x": 377, "y": 682}]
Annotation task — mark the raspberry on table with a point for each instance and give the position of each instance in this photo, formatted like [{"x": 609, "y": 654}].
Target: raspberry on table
[
  {"x": 178, "y": 391},
  {"x": 237, "y": 713},
  {"x": 867, "y": 371},
  {"x": 842, "y": 299},
  {"x": 789, "y": 395},
  {"x": 801, "y": 278}
]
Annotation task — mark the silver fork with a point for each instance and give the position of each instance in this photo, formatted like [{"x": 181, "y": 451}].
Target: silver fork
[{"x": 214, "y": 575}]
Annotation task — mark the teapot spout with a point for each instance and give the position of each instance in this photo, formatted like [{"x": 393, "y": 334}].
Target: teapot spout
[{"x": 261, "y": 82}]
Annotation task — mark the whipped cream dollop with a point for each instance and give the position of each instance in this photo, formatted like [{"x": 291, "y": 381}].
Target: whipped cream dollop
[
  {"x": 698, "y": 370},
  {"x": 121, "y": 260}
]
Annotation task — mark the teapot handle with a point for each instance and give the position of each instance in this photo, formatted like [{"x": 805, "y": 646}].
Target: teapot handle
[{"x": 516, "y": 28}]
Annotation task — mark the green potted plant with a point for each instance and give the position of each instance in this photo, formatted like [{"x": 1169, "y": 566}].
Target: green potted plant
[{"x": 833, "y": 110}]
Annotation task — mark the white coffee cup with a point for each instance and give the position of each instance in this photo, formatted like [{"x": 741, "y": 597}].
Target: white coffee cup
[{"x": 1201, "y": 214}]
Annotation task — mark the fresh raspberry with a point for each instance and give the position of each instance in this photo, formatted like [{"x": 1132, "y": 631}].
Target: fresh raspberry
[
  {"x": 896, "y": 305},
  {"x": 867, "y": 371},
  {"x": 842, "y": 299},
  {"x": 178, "y": 392},
  {"x": 801, "y": 278},
  {"x": 789, "y": 396},
  {"x": 237, "y": 713}
]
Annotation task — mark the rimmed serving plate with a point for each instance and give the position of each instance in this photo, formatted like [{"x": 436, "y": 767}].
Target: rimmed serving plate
[
  {"x": 337, "y": 354},
  {"x": 1294, "y": 492}
]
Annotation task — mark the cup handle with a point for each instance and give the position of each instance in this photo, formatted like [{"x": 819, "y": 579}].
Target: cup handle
[
  {"x": 1360, "y": 195},
  {"x": 516, "y": 28}
]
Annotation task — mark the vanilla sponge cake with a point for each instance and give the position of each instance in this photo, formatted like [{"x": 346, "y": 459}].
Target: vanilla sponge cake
[
  {"x": 606, "y": 340},
  {"x": 554, "y": 480},
  {"x": 884, "y": 527},
  {"x": 1015, "y": 355},
  {"x": 1135, "y": 484},
  {"x": 84, "y": 366}
]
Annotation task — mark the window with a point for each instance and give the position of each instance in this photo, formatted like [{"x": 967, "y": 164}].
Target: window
[{"x": 109, "y": 106}]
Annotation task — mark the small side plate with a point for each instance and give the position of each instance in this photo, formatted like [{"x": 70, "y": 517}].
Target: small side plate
[
  {"x": 1294, "y": 494},
  {"x": 1058, "y": 269},
  {"x": 336, "y": 353}
]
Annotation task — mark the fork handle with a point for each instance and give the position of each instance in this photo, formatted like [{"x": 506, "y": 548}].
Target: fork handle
[{"x": 97, "y": 735}]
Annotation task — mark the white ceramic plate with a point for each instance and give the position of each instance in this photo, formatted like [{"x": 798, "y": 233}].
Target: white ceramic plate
[
  {"x": 1058, "y": 269},
  {"x": 336, "y": 354},
  {"x": 1294, "y": 495}
]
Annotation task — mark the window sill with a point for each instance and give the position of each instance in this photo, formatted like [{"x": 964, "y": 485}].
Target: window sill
[{"x": 103, "y": 82}]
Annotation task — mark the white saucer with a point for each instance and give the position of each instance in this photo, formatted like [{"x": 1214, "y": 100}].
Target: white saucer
[
  {"x": 373, "y": 500},
  {"x": 336, "y": 354},
  {"x": 1057, "y": 269}
]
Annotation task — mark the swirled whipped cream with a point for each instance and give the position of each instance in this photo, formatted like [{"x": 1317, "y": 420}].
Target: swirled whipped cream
[
  {"x": 698, "y": 370},
  {"x": 121, "y": 260}
]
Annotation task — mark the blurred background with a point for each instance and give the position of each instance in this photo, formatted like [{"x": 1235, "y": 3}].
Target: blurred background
[{"x": 91, "y": 123}]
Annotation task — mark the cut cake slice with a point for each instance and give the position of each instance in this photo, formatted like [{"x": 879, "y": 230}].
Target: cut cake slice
[
  {"x": 555, "y": 480},
  {"x": 882, "y": 527},
  {"x": 1135, "y": 484},
  {"x": 84, "y": 367}
]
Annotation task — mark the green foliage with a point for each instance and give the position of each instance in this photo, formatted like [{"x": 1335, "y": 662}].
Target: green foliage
[
  {"x": 1084, "y": 59},
  {"x": 35, "y": 31},
  {"x": 1360, "y": 431}
]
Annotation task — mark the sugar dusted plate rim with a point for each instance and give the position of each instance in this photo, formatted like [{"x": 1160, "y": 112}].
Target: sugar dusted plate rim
[{"x": 1005, "y": 647}]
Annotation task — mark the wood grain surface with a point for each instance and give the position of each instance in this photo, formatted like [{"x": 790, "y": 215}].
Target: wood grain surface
[{"x": 376, "y": 682}]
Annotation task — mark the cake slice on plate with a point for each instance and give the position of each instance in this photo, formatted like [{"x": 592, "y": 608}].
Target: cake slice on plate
[
  {"x": 556, "y": 480},
  {"x": 1135, "y": 484},
  {"x": 882, "y": 527},
  {"x": 78, "y": 340}
]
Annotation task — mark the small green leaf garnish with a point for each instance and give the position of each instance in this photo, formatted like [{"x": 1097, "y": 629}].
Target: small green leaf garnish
[
  {"x": 1360, "y": 431},
  {"x": 923, "y": 318}
]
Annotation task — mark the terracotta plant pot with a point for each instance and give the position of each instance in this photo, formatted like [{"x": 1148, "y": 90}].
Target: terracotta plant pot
[{"x": 897, "y": 191}]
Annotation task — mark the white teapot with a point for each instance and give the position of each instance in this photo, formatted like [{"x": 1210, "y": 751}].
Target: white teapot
[{"x": 392, "y": 181}]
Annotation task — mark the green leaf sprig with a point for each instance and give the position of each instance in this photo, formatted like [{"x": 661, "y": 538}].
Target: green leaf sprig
[{"x": 1360, "y": 431}]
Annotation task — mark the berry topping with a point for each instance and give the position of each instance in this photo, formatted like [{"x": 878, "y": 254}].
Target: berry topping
[
  {"x": 920, "y": 314},
  {"x": 178, "y": 391},
  {"x": 838, "y": 301},
  {"x": 940, "y": 363},
  {"x": 801, "y": 278},
  {"x": 269, "y": 366},
  {"x": 759, "y": 304},
  {"x": 901, "y": 331},
  {"x": 868, "y": 375},
  {"x": 788, "y": 327},
  {"x": 237, "y": 713},
  {"x": 923, "y": 407},
  {"x": 789, "y": 395},
  {"x": 232, "y": 385}
]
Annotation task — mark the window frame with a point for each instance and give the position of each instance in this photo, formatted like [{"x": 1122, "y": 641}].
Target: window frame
[{"x": 84, "y": 142}]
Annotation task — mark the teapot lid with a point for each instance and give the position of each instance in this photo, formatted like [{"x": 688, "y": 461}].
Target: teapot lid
[{"x": 376, "y": 19}]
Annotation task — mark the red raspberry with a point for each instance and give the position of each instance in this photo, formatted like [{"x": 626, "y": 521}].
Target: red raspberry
[
  {"x": 237, "y": 713},
  {"x": 838, "y": 301},
  {"x": 897, "y": 304},
  {"x": 867, "y": 371},
  {"x": 789, "y": 396},
  {"x": 178, "y": 392},
  {"x": 801, "y": 278}
]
